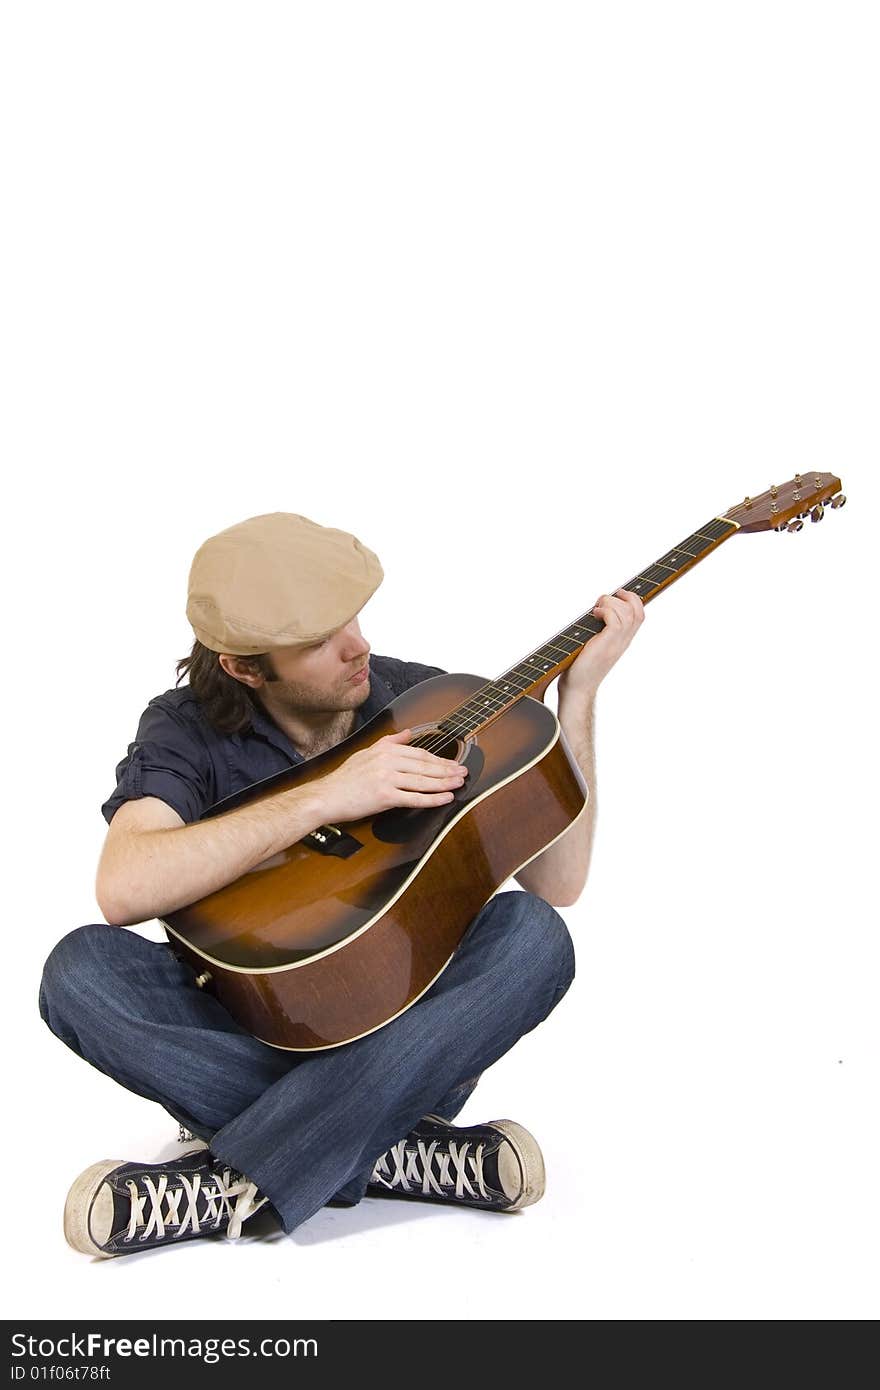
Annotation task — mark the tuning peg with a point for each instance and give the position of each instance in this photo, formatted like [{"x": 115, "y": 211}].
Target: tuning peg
[
  {"x": 796, "y": 525},
  {"x": 817, "y": 513},
  {"x": 839, "y": 500}
]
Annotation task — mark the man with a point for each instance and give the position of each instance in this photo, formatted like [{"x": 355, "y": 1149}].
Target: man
[{"x": 280, "y": 671}]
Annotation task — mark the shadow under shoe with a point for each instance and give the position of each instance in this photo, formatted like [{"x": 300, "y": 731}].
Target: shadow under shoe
[
  {"x": 496, "y": 1166},
  {"x": 116, "y": 1208}
]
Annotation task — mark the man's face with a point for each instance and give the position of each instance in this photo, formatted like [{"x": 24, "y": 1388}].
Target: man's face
[{"x": 317, "y": 677}]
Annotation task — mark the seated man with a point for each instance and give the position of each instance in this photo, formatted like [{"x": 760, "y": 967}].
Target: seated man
[{"x": 279, "y": 672}]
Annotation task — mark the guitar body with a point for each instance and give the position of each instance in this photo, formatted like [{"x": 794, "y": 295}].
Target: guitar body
[{"x": 343, "y": 931}]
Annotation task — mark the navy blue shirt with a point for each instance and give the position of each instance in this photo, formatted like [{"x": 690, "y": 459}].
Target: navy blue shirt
[{"x": 178, "y": 756}]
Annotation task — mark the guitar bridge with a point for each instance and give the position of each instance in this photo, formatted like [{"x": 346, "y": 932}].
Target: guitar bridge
[{"x": 329, "y": 839}]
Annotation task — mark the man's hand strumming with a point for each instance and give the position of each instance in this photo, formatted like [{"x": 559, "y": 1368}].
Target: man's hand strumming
[{"x": 388, "y": 773}]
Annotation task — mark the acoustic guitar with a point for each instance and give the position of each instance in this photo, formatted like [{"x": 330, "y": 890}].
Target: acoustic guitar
[{"x": 342, "y": 931}]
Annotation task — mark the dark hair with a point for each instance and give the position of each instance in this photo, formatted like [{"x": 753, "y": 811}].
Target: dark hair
[{"x": 228, "y": 703}]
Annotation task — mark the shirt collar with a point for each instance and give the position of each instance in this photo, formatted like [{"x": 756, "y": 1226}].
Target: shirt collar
[{"x": 265, "y": 727}]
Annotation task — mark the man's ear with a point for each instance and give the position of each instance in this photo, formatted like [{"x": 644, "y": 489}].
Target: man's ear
[{"x": 241, "y": 668}]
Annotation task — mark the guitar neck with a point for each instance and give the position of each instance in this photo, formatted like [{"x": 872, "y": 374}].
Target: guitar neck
[{"x": 534, "y": 673}]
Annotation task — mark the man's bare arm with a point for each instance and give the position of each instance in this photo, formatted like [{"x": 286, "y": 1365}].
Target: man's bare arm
[
  {"x": 152, "y": 863},
  {"x": 559, "y": 873}
]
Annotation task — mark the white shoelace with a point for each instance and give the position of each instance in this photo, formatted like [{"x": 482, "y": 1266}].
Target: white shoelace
[
  {"x": 218, "y": 1195},
  {"x": 408, "y": 1176}
]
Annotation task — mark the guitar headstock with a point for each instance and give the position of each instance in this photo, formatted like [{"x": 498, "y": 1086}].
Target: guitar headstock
[{"x": 785, "y": 507}]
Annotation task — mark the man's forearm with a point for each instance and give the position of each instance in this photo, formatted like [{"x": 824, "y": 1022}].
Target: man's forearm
[
  {"x": 154, "y": 872},
  {"x": 559, "y": 874}
]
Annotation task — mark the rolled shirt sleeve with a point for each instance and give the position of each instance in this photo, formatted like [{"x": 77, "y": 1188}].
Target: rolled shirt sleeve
[
  {"x": 180, "y": 758},
  {"x": 169, "y": 760}
]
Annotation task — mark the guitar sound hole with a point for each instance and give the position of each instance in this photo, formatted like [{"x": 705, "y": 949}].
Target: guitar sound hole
[
  {"x": 441, "y": 744},
  {"x": 403, "y": 823}
]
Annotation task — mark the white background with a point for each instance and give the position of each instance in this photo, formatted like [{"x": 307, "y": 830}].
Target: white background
[{"x": 521, "y": 294}]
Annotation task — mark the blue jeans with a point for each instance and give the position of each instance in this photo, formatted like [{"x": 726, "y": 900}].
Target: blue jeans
[{"x": 305, "y": 1127}]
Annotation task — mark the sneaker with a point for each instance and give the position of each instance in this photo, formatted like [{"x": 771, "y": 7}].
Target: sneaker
[
  {"x": 497, "y": 1166},
  {"x": 114, "y": 1208}
]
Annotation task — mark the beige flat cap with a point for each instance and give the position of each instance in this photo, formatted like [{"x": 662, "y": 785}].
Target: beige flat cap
[{"x": 278, "y": 580}]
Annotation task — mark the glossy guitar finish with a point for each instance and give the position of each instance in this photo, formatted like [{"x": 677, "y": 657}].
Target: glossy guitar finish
[{"x": 311, "y": 948}]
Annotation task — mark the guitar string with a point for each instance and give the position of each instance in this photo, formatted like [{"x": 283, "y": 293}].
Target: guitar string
[
  {"x": 453, "y": 730},
  {"x": 463, "y": 727}
]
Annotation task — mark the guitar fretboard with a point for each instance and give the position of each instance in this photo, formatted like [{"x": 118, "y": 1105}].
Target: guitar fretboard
[{"x": 546, "y": 661}]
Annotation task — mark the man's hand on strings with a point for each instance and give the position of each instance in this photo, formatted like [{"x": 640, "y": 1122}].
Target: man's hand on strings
[{"x": 623, "y": 614}]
